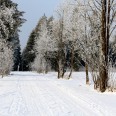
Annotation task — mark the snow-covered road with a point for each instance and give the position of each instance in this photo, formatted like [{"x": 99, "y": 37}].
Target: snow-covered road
[{"x": 32, "y": 94}]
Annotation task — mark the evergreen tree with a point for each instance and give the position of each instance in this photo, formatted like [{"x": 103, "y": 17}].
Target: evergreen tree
[
  {"x": 10, "y": 21},
  {"x": 29, "y": 52},
  {"x": 17, "y": 52},
  {"x": 50, "y": 25}
]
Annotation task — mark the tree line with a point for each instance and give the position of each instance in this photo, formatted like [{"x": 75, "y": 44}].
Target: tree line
[{"x": 79, "y": 35}]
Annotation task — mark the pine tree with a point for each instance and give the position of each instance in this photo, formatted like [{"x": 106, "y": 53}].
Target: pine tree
[
  {"x": 41, "y": 45},
  {"x": 10, "y": 21},
  {"x": 28, "y": 54},
  {"x": 17, "y": 52}
]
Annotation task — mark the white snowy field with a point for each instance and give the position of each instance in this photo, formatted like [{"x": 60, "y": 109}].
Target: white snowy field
[{"x": 32, "y": 94}]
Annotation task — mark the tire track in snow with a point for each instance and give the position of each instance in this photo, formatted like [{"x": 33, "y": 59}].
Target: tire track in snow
[
  {"x": 34, "y": 102},
  {"x": 49, "y": 101},
  {"x": 17, "y": 106},
  {"x": 61, "y": 100},
  {"x": 47, "y": 97},
  {"x": 12, "y": 99}
]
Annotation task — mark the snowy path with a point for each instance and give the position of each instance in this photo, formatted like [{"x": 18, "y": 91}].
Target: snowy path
[{"x": 30, "y": 94}]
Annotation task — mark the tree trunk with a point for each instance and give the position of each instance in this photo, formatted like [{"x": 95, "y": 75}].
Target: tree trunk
[
  {"x": 86, "y": 65},
  {"x": 46, "y": 68},
  {"x": 46, "y": 63},
  {"x": 60, "y": 69},
  {"x": 2, "y": 75},
  {"x": 72, "y": 62},
  {"x": 103, "y": 50},
  {"x": 108, "y": 36},
  {"x": 87, "y": 75},
  {"x": 61, "y": 55}
]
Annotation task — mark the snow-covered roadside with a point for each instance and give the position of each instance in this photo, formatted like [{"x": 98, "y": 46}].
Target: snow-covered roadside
[{"x": 32, "y": 94}]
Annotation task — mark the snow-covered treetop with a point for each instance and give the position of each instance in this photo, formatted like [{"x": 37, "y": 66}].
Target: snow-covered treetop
[{"x": 10, "y": 18}]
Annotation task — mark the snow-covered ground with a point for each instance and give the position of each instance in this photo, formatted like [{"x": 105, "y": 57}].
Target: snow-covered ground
[{"x": 32, "y": 94}]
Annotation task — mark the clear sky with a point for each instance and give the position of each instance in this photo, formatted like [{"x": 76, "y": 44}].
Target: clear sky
[{"x": 34, "y": 9}]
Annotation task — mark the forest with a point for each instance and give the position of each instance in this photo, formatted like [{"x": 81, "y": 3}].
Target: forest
[{"x": 82, "y": 35}]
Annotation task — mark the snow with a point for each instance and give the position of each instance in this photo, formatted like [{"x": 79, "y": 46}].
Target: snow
[{"x": 32, "y": 94}]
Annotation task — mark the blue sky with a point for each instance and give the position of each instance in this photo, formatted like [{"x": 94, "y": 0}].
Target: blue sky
[{"x": 34, "y": 9}]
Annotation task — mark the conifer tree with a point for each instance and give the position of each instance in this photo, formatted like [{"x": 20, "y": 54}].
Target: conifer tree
[
  {"x": 10, "y": 21},
  {"x": 28, "y": 54}
]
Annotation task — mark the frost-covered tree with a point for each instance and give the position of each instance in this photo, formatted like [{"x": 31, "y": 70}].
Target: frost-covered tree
[
  {"x": 6, "y": 19},
  {"x": 10, "y": 21},
  {"x": 83, "y": 26},
  {"x": 43, "y": 45},
  {"x": 59, "y": 36},
  {"x": 106, "y": 11},
  {"x": 73, "y": 27},
  {"x": 30, "y": 53},
  {"x": 6, "y": 58},
  {"x": 74, "y": 24}
]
